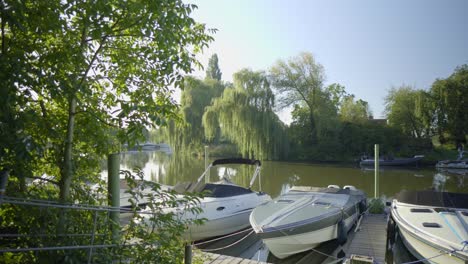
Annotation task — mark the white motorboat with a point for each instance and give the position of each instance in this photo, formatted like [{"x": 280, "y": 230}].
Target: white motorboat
[
  {"x": 433, "y": 225},
  {"x": 452, "y": 164},
  {"x": 227, "y": 206},
  {"x": 304, "y": 217}
]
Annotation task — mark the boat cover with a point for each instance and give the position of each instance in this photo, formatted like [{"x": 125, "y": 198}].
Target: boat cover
[
  {"x": 236, "y": 161},
  {"x": 433, "y": 198}
]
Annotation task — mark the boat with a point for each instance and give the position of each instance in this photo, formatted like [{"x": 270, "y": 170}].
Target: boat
[
  {"x": 226, "y": 207},
  {"x": 389, "y": 161},
  {"x": 453, "y": 164},
  {"x": 305, "y": 216},
  {"x": 459, "y": 163},
  {"x": 432, "y": 225}
]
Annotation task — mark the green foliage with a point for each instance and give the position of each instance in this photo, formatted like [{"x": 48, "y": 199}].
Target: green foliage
[
  {"x": 36, "y": 222},
  {"x": 450, "y": 99},
  {"x": 244, "y": 115},
  {"x": 213, "y": 71},
  {"x": 78, "y": 79},
  {"x": 155, "y": 235},
  {"x": 404, "y": 108},
  {"x": 376, "y": 206},
  {"x": 354, "y": 111},
  {"x": 79, "y": 76},
  {"x": 299, "y": 81},
  {"x": 187, "y": 134}
]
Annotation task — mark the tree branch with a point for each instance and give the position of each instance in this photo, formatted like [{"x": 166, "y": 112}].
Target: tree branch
[{"x": 43, "y": 179}]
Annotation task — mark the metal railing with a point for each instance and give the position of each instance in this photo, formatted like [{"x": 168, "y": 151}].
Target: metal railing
[{"x": 41, "y": 234}]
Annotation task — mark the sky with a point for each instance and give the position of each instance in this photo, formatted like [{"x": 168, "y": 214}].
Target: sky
[{"x": 366, "y": 46}]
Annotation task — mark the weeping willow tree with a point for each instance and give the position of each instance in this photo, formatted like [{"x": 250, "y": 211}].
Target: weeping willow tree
[
  {"x": 244, "y": 115},
  {"x": 186, "y": 135}
]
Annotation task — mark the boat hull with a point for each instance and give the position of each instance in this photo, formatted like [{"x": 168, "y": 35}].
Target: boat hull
[
  {"x": 287, "y": 245},
  {"x": 433, "y": 225},
  {"x": 305, "y": 217},
  {"x": 452, "y": 164},
  {"x": 218, "y": 227},
  {"x": 422, "y": 249},
  {"x": 221, "y": 216},
  {"x": 393, "y": 162}
]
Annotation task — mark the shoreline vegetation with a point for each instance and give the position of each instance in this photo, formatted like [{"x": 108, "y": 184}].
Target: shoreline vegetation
[{"x": 328, "y": 124}]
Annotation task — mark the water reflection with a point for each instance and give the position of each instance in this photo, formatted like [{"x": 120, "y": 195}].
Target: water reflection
[
  {"x": 438, "y": 182},
  {"x": 278, "y": 177}
]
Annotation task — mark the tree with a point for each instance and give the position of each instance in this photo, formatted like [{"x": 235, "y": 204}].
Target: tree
[
  {"x": 187, "y": 134},
  {"x": 213, "y": 71},
  {"x": 326, "y": 124},
  {"x": 80, "y": 78},
  {"x": 401, "y": 108},
  {"x": 244, "y": 114},
  {"x": 354, "y": 111},
  {"x": 450, "y": 97},
  {"x": 298, "y": 81}
]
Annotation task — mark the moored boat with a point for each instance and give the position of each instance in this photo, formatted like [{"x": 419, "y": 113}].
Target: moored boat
[
  {"x": 225, "y": 208},
  {"x": 452, "y": 164},
  {"x": 392, "y": 161},
  {"x": 304, "y": 217},
  {"x": 433, "y": 225}
]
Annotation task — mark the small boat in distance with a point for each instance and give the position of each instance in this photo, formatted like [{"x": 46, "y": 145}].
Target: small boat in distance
[
  {"x": 433, "y": 225},
  {"x": 459, "y": 163},
  {"x": 390, "y": 161},
  {"x": 226, "y": 207},
  {"x": 304, "y": 217}
]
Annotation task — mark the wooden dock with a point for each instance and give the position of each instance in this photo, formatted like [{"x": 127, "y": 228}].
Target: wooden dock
[
  {"x": 369, "y": 240},
  {"x": 211, "y": 258}
]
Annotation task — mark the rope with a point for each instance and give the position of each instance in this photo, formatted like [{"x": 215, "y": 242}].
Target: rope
[
  {"x": 230, "y": 245},
  {"x": 422, "y": 260},
  {"x": 222, "y": 237},
  {"x": 465, "y": 243}
]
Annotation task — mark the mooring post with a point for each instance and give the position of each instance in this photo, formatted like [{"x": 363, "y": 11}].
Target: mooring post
[
  {"x": 113, "y": 189},
  {"x": 188, "y": 254},
  {"x": 376, "y": 171},
  {"x": 207, "y": 176},
  {"x": 4, "y": 174}
]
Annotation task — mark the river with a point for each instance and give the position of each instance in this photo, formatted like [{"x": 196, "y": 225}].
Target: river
[{"x": 277, "y": 176}]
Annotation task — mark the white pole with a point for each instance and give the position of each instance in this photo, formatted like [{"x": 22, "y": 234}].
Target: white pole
[
  {"x": 376, "y": 169},
  {"x": 207, "y": 178}
]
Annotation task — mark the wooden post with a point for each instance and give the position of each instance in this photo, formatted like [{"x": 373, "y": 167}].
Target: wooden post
[
  {"x": 376, "y": 171},
  {"x": 3, "y": 181},
  {"x": 113, "y": 189},
  {"x": 188, "y": 254}
]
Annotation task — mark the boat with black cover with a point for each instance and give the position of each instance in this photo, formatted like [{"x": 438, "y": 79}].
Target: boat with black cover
[
  {"x": 225, "y": 207},
  {"x": 390, "y": 161}
]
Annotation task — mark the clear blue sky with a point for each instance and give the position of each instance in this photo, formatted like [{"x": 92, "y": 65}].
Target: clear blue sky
[{"x": 367, "y": 46}]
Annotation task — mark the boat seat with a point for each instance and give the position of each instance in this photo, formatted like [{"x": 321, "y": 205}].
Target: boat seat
[{"x": 333, "y": 186}]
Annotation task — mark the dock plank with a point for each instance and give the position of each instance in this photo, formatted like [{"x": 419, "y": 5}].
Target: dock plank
[{"x": 370, "y": 240}]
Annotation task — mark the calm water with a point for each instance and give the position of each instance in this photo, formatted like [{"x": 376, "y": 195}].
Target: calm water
[{"x": 276, "y": 177}]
